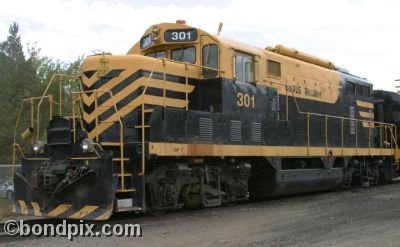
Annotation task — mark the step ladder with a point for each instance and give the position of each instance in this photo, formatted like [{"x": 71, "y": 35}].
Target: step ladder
[
  {"x": 121, "y": 164},
  {"x": 142, "y": 126}
]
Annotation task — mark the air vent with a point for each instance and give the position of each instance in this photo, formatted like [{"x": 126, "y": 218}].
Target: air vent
[
  {"x": 235, "y": 131},
  {"x": 206, "y": 129},
  {"x": 255, "y": 132}
]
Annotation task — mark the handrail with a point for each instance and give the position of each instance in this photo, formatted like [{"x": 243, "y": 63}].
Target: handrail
[
  {"x": 31, "y": 99},
  {"x": 96, "y": 91},
  {"x": 45, "y": 92},
  {"x": 381, "y": 124},
  {"x": 393, "y": 137},
  {"x": 143, "y": 158},
  {"x": 192, "y": 64}
]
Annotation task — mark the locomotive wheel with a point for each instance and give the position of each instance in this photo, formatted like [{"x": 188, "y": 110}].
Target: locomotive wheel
[
  {"x": 347, "y": 178},
  {"x": 228, "y": 202}
]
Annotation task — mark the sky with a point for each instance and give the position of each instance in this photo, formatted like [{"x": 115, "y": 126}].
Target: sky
[{"x": 362, "y": 36}]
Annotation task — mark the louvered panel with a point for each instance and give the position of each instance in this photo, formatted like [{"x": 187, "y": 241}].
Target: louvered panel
[
  {"x": 235, "y": 131},
  {"x": 255, "y": 132},
  {"x": 206, "y": 129}
]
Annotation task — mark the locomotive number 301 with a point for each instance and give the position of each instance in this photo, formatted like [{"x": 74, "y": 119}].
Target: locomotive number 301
[{"x": 245, "y": 100}]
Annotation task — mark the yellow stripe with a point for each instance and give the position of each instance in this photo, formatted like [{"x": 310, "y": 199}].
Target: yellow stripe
[
  {"x": 59, "y": 210},
  {"x": 366, "y": 114},
  {"x": 131, "y": 88},
  {"x": 22, "y": 205},
  {"x": 36, "y": 209},
  {"x": 83, "y": 212},
  {"x": 13, "y": 210},
  {"x": 365, "y": 104},
  {"x": 156, "y": 83},
  {"x": 179, "y": 149},
  {"x": 89, "y": 82},
  {"x": 105, "y": 215},
  {"x": 148, "y": 99}
]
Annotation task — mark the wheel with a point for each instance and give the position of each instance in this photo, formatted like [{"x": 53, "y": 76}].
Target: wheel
[{"x": 347, "y": 177}]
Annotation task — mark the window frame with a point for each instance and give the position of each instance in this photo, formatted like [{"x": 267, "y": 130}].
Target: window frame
[
  {"x": 184, "y": 48},
  {"x": 166, "y": 54},
  {"x": 253, "y": 66},
  {"x": 216, "y": 69},
  {"x": 269, "y": 74}
]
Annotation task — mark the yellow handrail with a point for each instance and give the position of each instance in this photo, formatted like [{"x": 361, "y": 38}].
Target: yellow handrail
[
  {"x": 45, "y": 93},
  {"x": 143, "y": 158},
  {"x": 96, "y": 91},
  {"x": 326, "y": 116}
]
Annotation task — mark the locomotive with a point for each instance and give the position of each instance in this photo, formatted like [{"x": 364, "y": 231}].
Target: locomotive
[{"x": 187, "y": 119}]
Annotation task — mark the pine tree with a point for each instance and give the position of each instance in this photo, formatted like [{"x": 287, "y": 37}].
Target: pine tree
[{"x": 24, "y": 76}]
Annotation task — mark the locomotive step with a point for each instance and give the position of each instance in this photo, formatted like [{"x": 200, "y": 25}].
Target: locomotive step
[
  {"x": 126, "y": 190},
  {"x": 125, "y": 175},
  {"x": 114, "y": 144},
  {"x": 140, "y": 126},
  {"x": 120, "y": 159}
]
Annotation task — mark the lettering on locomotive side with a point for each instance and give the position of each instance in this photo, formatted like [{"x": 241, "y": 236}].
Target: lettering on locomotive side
[
  {"x": 313, "y": 92},
  {"x": 307, "y": 91},
  {"x": 293, "y": 89}
]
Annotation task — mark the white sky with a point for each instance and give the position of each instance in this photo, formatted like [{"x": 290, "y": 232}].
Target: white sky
[{"x": 362, "y": 36}]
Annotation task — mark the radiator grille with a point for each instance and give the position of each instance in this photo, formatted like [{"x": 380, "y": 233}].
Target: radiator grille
[
  {"x": 235, "y": 131},
  {"x": 255, "y": 132},
  {"x": 206, "y": 129}
]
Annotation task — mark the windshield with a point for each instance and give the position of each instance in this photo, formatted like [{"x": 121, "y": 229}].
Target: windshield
[
  {"x": 162, "y": 54},
  {"x": 184, "y": 54}
]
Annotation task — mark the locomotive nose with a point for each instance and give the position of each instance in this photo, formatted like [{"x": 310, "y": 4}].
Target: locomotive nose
[
  {"x": 89, "y": 197},
  {"x": 64, "y": 180}
]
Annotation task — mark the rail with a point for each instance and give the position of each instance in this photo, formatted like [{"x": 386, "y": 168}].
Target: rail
[
  {"x": 78, "y": 98},
  {"x": 45, "y": 93},
  {"x": 370, "y": 124},
  {"x": 143, "y": 125},
  {"x": 30, "y": 132}
]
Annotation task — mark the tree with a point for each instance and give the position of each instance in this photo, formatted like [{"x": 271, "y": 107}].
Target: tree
[{"x": 23, "y": 77}]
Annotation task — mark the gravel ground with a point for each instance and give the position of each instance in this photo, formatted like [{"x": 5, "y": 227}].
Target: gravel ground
[{"x": 358, "y": 217}]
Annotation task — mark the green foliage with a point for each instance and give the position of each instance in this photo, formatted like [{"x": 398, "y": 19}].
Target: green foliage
[{"x": 24, "y": 76}]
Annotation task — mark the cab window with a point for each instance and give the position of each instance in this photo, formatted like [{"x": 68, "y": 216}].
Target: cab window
[
  {"x": 160, "y": 54},
  {"x": 210, "y": 60},
  {"x": 184, "y": 54},
  {"x": 244, "y": 67}
]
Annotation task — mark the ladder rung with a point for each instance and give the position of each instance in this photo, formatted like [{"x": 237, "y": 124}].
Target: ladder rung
[
  {"x": 125, "y": 175},
  {"x": 140, "y": 126},
  {"x": 148, "y": 110},
  {"x": 110, "y": 143},
  {"x": 126, "y": 190},
  {"x": 119, "y": 159}
]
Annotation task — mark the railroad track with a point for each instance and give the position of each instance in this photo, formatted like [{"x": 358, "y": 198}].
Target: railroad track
[{"x": 143, "y": 219}]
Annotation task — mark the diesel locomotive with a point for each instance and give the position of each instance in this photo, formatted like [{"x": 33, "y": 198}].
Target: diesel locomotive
[{"x": 189, "y": 119}]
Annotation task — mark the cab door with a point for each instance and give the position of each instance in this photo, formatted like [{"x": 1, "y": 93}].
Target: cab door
[{"x": 209, "y": 52}]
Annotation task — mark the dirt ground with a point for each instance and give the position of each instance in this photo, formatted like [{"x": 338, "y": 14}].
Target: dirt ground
[{"x": 358, "y": 217}]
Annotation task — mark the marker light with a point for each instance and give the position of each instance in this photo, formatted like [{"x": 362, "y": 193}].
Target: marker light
[
  {"x": 87, "y": 145},
  {"x": 38, "y": 147}
]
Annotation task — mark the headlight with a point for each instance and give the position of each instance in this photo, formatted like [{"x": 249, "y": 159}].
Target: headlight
[
  {"x": 156, "y": 29},
  {"x": 87, "y": 145},
  {"x": 38, "y": 147},
  {"x": 156, "y": 33}
]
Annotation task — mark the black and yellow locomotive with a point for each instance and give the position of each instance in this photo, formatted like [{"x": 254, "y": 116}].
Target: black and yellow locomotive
[{"x": 190, "y": 119}]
